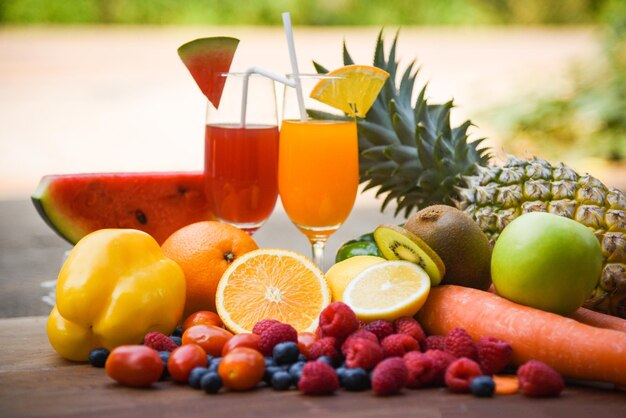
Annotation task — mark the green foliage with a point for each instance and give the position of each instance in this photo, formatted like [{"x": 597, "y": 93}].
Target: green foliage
[{"x": 304, "y": 12}]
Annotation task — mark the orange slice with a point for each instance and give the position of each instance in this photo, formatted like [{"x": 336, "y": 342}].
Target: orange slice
[
  {"x": 506, "y": 385},
  {"x": 353, "y": 91},
  {"x": 271, "y": 284}
]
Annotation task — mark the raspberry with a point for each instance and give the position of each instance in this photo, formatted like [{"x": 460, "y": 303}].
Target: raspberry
[
  {"x": 421, "y": 369},
  {"x": 338, "y": 320},
  {"x": 326, "y": 346},
  {"x": 275, "y": 334},
  {"x": 435, "y": 342},
  {"x": 262, "y": 325},
  {"x": 361, "y": 333},
  {"x": 441, "y": 361},
  {"x": 363, "y": 353},
  {"x": 318, "y": 378},
  {"x": 460, "y": 344},
  {"x": 538, "y": 379},
  {"x": 493, "y": 354},
  {"x": 159, "y": 342},
  {"x": 389, "y": 376},
  {"x": 460, "y": 373},
  {"x": 409, "y": 326},
  {"x": 397, "y": 345},
  {"x": 380, "y": 328}
]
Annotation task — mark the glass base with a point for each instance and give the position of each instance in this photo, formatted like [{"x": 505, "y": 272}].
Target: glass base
[
  {"x": 318, "y": 233},
  {"x": 248, "y": 227}
]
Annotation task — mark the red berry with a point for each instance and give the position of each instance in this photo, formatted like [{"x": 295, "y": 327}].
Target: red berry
[
  {"x": 326, "y": 346},
  {"x": 361, "y": 333},
  {"x": 435, "y": 342},
  {"x": 262, "y": 325},
  {"x": 540, "y": 380},
  {"x": 318, "y": 378},
  {"x": 380, "y": 328},
  {"x": 409, "y": 326},
  {"x": 441, "y": 361},
  {"x": 363, "y": 353},
  {"x": 493, "y": 354},
  {"x": 338, "y": 320},
  {"x": 421, "y": 370},
  {"x": 389, "y": 376},
  {"x": 159, "y": 342},
  {"x": 397, "y": 345},
  {"x": 460, "y": 373},
  {"x": 275, "y": 334},
  {"x": 460, "y": 344}
]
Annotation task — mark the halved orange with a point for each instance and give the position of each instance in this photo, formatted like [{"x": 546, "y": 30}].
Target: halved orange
[
  {"x": 271, "y": 284},
  {"x": 353, "y": 91}
]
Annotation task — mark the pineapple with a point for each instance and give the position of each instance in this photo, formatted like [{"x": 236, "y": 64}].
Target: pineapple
[{"x": 412, "y": 154}]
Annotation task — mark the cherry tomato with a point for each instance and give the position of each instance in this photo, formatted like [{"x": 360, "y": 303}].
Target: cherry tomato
[
  {"x": 242, "y": 368},
  {"x": 305, "y": 340},
  {"x": 183, "y": 360},
  {"x": 134, "y": 365},
  {"x": 209, "y": 337},
  {"x": 241, "y": 340},
  {"x": 202, "y": 318}
]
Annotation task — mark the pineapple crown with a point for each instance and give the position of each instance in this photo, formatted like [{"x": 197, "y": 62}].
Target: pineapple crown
[{"x": 408, "y": 149}]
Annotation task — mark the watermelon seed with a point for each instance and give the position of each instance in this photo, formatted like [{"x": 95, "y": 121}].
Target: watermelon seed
[{"x": 141, "y": 217}]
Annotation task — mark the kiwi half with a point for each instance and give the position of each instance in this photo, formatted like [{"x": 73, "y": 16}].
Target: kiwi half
[{"x": 396, "y": 243}]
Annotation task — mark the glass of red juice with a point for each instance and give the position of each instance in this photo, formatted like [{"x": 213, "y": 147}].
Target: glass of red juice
[{"x": 241, "y": 152}]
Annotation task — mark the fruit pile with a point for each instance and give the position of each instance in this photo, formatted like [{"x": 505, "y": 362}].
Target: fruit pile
[{"x": 382, "y": 356}]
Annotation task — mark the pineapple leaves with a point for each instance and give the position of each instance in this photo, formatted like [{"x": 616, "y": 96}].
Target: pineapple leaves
[
  {"x": 347, "y": 59},
  {"x": 319, "y": 68}
]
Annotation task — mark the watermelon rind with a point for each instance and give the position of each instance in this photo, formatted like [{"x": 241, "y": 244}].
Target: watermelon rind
[
  {"x": 206, "y": 58},
  {"x": 52, "y": 218}
]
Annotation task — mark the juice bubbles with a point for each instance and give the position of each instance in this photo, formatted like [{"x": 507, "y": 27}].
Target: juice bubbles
[
  {"x": 318, "y": 174},
  {"x": 241, "y": 165}
]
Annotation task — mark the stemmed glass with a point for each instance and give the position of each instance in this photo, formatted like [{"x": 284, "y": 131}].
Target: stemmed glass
[
  {"x": 318, "y": 167},
  {"x": 241, "y": 152}
]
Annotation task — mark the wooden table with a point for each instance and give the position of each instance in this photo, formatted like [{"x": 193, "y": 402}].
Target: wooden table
[{"x": 35, "y": 381}]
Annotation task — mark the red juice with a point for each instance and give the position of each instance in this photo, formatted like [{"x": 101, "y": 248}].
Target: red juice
[{"x": 241, "y": 169}]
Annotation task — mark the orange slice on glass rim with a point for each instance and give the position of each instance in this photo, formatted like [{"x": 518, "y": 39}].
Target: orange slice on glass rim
[
  {"x": 353, "y": 91},
  {"x": 271, "y": 284}
]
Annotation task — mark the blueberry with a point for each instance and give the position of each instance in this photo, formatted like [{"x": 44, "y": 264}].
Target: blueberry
[
  {"x": 302, "y": 357},
  {"x": 295, "y": 370},
  {"x": 341, "y": 374},
  {"x": 482, "y": 386},
  {"x": 209, "y": 358},
  {"x": 269, "y": 362},
  {"x": 356, "y": 380},
  {"x": 215, "y": 363},
  {"x": 98, "y": 357},
  {"x": 178, "y": 332},
  {"x": 196, "y": 375},
  {"x": 177, "y": 340},
  {"x": 281, "y": 380},
  {"x": 211, "y": 382},
  {"x": 165, "y": 356},
  {"x": 269, "y": 372},
  {"x": 286, "y": 353},
  {"x": 327, "y": 360}
]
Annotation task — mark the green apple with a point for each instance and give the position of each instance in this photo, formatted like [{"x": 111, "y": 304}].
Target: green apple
[{"x": 546, "y": 261}]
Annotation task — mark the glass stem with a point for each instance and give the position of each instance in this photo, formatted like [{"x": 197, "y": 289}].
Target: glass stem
[{"x": 318, "y": 253}]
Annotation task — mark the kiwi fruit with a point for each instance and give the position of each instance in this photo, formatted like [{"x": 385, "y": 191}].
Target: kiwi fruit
[
  {"x": 396, "y": 243},
  {"x": 458, "y": 240}
]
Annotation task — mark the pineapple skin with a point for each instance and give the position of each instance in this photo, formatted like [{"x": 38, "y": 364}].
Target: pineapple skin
[{"x": 496, "y": 195}]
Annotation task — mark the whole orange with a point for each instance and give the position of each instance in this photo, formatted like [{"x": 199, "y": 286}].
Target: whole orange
[{"x": 204, "y": 250}]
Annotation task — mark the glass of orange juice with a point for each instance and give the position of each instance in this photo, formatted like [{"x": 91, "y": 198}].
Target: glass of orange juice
[{"x": 318, "y": 165}]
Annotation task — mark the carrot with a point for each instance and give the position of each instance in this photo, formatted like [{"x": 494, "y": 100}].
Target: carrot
[
  {"x": 600, "y": 320},
  {"x": 573, "y": 349}
]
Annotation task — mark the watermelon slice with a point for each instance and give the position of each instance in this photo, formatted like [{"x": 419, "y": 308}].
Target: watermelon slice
[
  {"x": 74, "y": 205},
  {"x": 205, "y": 59}
]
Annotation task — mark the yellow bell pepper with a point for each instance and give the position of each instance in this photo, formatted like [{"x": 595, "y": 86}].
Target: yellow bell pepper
[{"x": 115, "y": 287}]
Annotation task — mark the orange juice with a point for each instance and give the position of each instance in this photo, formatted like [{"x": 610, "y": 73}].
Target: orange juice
[{"x": 318, "y": 173}]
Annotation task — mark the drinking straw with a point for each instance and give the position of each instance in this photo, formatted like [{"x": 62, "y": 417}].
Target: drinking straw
[
  {"x": 294, "y": 64},
  {"x": 246, "y": 78}
]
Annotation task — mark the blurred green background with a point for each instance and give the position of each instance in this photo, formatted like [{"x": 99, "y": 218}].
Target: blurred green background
[{"x": 305, "y": 12}]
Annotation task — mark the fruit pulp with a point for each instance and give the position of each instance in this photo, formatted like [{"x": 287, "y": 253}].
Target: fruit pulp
[
  {"x": 318, "y": 174},
  {"x": 241, "y": 166}
]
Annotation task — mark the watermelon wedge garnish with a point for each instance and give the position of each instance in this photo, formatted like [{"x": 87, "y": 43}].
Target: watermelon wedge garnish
[
  {"x": 205, "y": 59},
  {"x": 74, "y": 205}
]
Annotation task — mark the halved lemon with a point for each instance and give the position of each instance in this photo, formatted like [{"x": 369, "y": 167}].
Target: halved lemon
[
  {"x": 271, "y": 284},
  {"x": 354, "y": 91},
  {"x": 388, "y": 291}
]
